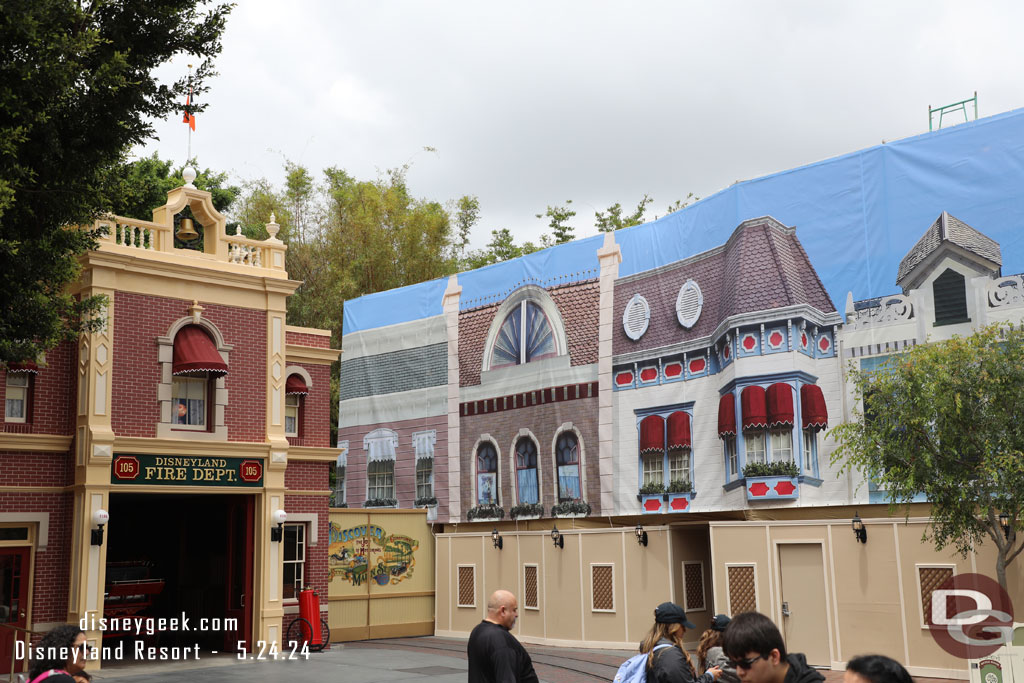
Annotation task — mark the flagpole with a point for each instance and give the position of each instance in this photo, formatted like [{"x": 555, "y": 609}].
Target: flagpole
[{"x": 189, "y": 155}]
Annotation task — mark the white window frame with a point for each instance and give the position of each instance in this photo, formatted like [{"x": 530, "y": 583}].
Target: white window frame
[
  {"x": 540, "y": 297},
  {"x": 178, "y": 383},
  {"x": 684, "y": 455},
  {"x": 687, "y": 607},
  {"x": 755, "y": 435},
  {"x": 614, "y": 601},
  {"x": 341, "y": 462},
  {"x": 458, "y": 593},
  {"x": 429, "y": 477},
  {"x": 917, "y": 579},
  {"x": 782, "y": 434},
  {"x": 300, "y": 562},
  {"x": 292, "y": 409},
  {"x": 732, "y": 461},
  {"x": 376, "y": 485},
  {"x": 24, "y": 390},
  {"x": 810, "y": 448}
]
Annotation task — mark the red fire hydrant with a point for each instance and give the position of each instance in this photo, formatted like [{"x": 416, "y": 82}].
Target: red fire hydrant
[{"x": 309, "y": 609}]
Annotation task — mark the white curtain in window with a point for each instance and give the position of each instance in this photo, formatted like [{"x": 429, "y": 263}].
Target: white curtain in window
[
  {"x": 380, "y": 448},
  {"x": 528, "y": 486},
  {"x": 423, "y": 444}
]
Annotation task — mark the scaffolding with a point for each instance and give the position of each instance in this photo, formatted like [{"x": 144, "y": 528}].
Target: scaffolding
[{"x": 950, "y": 108}]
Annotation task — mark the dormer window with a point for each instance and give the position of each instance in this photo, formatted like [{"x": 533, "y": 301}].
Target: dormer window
[
  {"x": 950, "y": 293},
  {"x": 525, "y": 336}
]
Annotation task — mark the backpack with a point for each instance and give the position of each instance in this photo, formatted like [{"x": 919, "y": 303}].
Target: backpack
[{"x": 634, "y": 669}]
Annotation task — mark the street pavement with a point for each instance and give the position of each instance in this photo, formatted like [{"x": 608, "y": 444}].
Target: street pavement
[{"x": 399, "y": 660}]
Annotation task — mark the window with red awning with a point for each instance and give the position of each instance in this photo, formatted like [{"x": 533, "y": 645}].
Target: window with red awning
[
  {"x": 780, "y": 405},
  {"x": 195, "y": 352},
  {"x": 755, "y": 412},
  {"x": 812, "y": 407},
  {"x": 652, "y": 434},
  {"x": 727, "y": 415}
]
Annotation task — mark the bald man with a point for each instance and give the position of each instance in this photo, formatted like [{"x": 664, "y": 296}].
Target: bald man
[{"x": 495, "y": 656}]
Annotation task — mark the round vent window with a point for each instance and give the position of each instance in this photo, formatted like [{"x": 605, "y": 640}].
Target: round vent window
[
  {"x": 689, "y": 304},
  {"x": 636, "y": 317}
]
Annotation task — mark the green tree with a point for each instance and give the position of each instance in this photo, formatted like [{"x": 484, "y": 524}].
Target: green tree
[
  {"x": 682, "y": 203},
  {"x": 614, "y": 220},
  {"x": 77, "y": 90},
  {"x": 467, "y": 213},
  {"x": 944, "y": 420},
  {"x": 557, "y": 220}
]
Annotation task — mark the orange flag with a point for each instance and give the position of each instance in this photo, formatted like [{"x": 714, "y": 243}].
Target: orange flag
[{"x": 189, "y": 117}]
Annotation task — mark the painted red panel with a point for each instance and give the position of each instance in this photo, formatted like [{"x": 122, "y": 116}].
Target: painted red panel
[
  {"x": 803, "y": 339},
  {"x": 726, "y": 352},
  {"x": 824, "y": 344},
  {"x": 775, "y": 339},
  {"x": 697, "y": 365},
  {"x": 758, "y": 488},
  {"x": 785, "y": 488},
  {"x": 652, "y": 505},
  {"x": 749, "y": 342},
  {"x": 648, "y": 374},
  {"x": 624, "y": 379},
  {"x": 679, "y": 503},
  {"x": 673, "y": 370}
]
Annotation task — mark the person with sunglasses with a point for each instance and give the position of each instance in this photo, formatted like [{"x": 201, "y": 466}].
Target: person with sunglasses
[
  {"x": 64, "y": 653},
  {"x": 755, "y": 647},
  {"x": 671, "y": 664}
]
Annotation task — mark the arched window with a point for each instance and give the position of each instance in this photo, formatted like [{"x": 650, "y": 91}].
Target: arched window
[
  {"x": 567, "y": 459},
  {"x": 525, "y": 336},
  {"x": 486, "y": 474},
  {"x": 526, "y": 471},
  {"x": 196, "y": 363}
]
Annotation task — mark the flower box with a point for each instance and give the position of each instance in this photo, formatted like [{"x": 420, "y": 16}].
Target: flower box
[
  {"x": 772, "y": 488},
  {"x": 652, "y": 503},
  {"x": 571, "y": 508}
]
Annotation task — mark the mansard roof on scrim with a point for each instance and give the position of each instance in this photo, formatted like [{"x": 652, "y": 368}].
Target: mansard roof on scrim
[
  {"x": 949, "y": 229},
  {"x": 853, "y": 214}
]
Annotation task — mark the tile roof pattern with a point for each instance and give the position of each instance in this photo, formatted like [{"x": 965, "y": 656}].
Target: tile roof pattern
[
  {"x": 578, "y": 306},
  {"x": 948, "y": 228},
  {"x": 761, "y": 267}
]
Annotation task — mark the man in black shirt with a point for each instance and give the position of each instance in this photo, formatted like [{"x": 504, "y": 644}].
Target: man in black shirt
[{"x": 495, "y": 656}]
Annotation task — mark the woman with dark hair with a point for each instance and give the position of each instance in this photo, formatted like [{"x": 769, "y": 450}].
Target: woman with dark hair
[
  {"x": 671, "y": 664},
  {"x": 709, "y": 651},
  {"x": 62, "y": 654},
  {"x": 875, "y": 669}
]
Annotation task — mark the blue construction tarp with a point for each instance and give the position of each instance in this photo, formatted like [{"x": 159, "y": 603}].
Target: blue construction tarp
[{"x": 856, "y": 215}]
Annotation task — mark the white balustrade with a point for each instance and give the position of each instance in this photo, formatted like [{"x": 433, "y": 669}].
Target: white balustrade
[{"x": 896, "y": 308}]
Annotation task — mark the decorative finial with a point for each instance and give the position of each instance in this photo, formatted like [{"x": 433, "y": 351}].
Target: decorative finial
[
  {"x": 273, "y": 227},
  {"x": 189, "y": 174}
]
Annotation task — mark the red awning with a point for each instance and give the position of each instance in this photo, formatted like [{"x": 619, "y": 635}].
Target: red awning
[
  {"x": 194, "y": 352},
  {"x": 296, "y": 385},
  {"x": 727, "y": 415},
  {"x": 780, "y": 405},
  {"x": 812, "y": 407},
  {"x": 652, "y": 434},
  {"x": 755, "y": 413},
  {"x": 27, "y": 366},
  {"x": 678, "y": 430}
]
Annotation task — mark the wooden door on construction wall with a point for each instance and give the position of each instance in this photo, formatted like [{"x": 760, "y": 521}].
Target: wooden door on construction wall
[
  {"x": 14, "y": 575},
  {"x": 804, "y": 608}
]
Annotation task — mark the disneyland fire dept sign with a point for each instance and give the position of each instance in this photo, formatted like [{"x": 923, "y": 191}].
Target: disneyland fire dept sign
[{"x": 165, "y": 470}]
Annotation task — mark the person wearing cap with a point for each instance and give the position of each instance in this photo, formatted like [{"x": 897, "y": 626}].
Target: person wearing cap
[
  {"x": 710, "y": 653},
  {"x": 672, "y": 664}
]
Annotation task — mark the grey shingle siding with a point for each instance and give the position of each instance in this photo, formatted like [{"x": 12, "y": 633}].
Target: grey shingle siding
[{"x": 387, "y": 373}]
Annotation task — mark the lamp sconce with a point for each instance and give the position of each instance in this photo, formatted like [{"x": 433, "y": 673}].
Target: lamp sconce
[
  {"x": 99, "y": 518},
  {"x": 1004, "y": 524},
  {"x": 496, "y": 538},
  {"x": 277, "y": 533},
  {"x": 641, "y": 535},
  {"x": 556, "y": 537},
  {"x": 859, "y": 531}
]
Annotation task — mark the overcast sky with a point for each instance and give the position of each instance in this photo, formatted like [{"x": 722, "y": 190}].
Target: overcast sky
[{"x": 534, "y": 103}]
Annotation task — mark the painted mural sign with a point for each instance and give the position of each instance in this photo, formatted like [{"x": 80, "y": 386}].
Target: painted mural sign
[{"x": 368, "y": 553}]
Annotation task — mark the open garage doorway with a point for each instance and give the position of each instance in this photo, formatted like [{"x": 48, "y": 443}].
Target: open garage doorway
[{"x": 183, "y": 557}]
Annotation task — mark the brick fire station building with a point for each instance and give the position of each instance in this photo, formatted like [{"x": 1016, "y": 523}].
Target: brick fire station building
[{"x": 191, "y": 418}]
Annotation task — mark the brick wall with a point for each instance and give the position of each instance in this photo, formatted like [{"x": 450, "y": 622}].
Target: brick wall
[
  {"x": 311, "y": 476},
  {"x": 578, "y": 306},
  {"x": 303, "y": 339},
  {"x": 405, "y": 462},
  {"x": 36, "y": 468},
  {"x": 543, "y": 421},
  {"x": 52, "y": 570},
  {"x": 140, "y": 319},
  {"x": 52, "y": 399},
  {"x": 315, "y": 410}
]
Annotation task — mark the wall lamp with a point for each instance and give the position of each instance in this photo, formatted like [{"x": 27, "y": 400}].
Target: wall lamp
[
  {"x": 277, "y": 533},
  {"x": 556, "y": 537},
  {"x": 859, "y": 532},
  {"x": 641, "y": 535},
  {"x": 496, "y": 537},
  {"x": 99, "y": 518},
  {"x": 1004, "y": 524}
]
